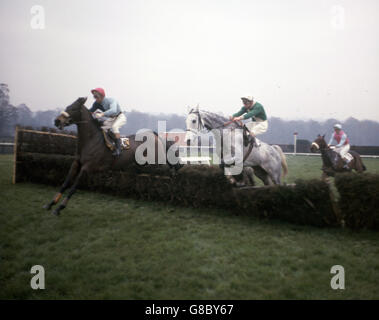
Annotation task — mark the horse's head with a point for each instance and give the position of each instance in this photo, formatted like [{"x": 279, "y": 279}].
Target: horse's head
[
  {"x": 193, "y": 124},
  {"x": 319, "y": 144},
  {"x": 71, "y": 114}
]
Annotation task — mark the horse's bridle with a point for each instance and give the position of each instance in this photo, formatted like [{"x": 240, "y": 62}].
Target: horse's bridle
[
  {"x": 200, "y": 125},
  {"x": 69, "y": 118}
]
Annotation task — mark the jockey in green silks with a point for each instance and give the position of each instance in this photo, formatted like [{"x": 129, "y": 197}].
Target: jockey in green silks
[{"x": 253, "y": 111}]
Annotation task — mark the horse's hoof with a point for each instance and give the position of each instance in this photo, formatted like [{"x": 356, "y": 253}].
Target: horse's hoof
[
  {"x": 56, "y": 212},
  {"x": 47, "y": 207}
]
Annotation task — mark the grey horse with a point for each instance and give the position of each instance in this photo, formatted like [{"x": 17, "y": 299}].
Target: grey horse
[{"x": 268, "y": 162}]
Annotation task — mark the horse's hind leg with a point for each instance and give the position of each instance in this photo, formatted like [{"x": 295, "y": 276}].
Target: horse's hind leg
[
  {"x": 278, "y": 179},
  {"x": 72, "y": 173},
  {"x": 273, "y": 177},
  {"x": 268, "y": 181}
]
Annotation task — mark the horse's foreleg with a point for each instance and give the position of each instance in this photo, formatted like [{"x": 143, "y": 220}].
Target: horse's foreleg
[
  {"x": 262, "y": 175},
  {"x": 248, "y": 176},
  {"x": 70, "y": 193},
  {"x": 71, "y": 175}
]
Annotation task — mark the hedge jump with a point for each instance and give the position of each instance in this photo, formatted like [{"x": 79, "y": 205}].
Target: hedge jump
[{"x": 44, "y": 158}]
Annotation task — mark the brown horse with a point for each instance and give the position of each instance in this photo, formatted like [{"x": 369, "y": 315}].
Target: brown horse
[
  {"x": 332, "y": 161},
  {"x": 92, "y": 154}
]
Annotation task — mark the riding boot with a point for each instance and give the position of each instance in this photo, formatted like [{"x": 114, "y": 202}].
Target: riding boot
[{"x": 117, "y": 151}]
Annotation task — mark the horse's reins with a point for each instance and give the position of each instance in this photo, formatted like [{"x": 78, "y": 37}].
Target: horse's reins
[
  {"x": 67, "y": 115},
  {"x": 200, "y": 123},
  {"x": 239, "y": 122}
]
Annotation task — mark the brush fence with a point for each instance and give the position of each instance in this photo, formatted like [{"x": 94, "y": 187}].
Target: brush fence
[{"x": 46, "y": 156}]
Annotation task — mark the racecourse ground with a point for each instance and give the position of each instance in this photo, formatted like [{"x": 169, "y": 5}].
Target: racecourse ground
[{"x": 109, "y": 247}]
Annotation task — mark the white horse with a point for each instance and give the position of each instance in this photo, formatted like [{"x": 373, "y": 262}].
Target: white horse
[{"x": 267, "y": 161}]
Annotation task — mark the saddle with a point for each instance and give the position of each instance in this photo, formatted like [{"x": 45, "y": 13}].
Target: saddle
[
  {"x": 110, "y": 141},
  {"x": 110, "y": 138}
]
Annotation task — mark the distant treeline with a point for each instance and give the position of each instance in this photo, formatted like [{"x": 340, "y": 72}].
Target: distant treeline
[{"x": 280, "y": 131}]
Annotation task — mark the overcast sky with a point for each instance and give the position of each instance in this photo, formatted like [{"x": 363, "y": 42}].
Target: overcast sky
[{"x": 299, "y": 58}]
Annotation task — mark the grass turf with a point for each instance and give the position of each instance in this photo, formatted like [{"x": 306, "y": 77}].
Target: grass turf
[{"x": 105, "y": 247}]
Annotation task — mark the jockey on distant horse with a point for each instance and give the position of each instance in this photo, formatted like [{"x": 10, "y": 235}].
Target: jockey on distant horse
[
  {"x": 112, "y": 110},
  {"x": 343, "y": 146},
  {"x": 253, "y": 111}
]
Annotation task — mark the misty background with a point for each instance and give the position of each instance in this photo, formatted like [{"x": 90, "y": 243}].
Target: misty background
[
  {"x": 364, "y": 132},
  {"x": 310, "y": 63}
]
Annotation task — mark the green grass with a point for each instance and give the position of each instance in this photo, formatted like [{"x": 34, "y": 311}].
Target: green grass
[
  {"x": 309, "y": 167},
  {"x": 106, "y": 247}
]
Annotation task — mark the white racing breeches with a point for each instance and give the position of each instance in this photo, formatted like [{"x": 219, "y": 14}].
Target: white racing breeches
[
  {"x": 257, "y": 127},
  {"x": 114, "y": 123},
  {"x": 343, "y": 151}
]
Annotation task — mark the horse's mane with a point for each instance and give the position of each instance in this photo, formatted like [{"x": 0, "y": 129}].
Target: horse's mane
[
  {"x": 214, "y": 116},
  {"x": 212, "y": 119},
  {"x": 96, "y": 122}
]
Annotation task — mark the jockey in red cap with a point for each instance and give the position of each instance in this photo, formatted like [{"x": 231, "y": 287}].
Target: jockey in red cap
[
  {"x": 99, "y": 90},
  {"x": 111, "y": 109}
]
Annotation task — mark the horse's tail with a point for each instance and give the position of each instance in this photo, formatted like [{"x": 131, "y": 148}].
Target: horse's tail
[{"x": 283, "y": 159}]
